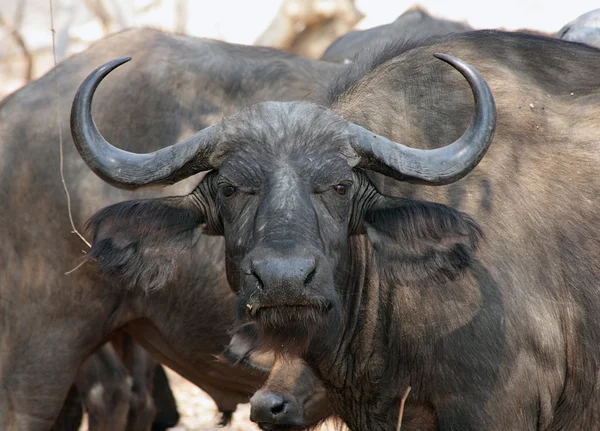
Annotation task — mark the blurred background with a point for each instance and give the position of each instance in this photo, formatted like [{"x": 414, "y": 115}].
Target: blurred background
[
  {"x": 25, "y": 37},
  {"x": 306, "y": 27}
]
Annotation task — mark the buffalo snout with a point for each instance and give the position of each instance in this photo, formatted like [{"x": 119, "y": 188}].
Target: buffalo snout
[
  {"x": 288, "y": 292},
  {"x": 274, "y": 410},
  {"x": 284, "y": 273},
  {"x": 285, "y": 278}
]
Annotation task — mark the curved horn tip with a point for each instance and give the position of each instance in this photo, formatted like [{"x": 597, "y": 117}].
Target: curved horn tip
[
  {"x": 450, "y": 59},
  {"x": 123, "y": 59},
  {"x": 112, "y": 64},
  {"x": 441, "y": 56},
  {"x": 98, "y": 74}
]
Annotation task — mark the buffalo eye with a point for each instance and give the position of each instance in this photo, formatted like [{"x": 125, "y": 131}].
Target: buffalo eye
[
  {"x": 340, "y": 189},
  {"x": 228, "y": 190}
]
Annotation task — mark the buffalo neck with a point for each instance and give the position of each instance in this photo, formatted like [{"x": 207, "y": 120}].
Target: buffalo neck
[{"x": 390, "y": 333}]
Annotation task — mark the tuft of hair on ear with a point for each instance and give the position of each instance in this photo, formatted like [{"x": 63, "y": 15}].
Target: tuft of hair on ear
[
  {"x": 421, "y": 239},
  {"x": 138, "y": 243}
]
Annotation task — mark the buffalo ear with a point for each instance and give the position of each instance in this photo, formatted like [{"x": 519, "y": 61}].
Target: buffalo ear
[
  {"x": 138, "y": 243},
  {"x": 419, "y": 239}
]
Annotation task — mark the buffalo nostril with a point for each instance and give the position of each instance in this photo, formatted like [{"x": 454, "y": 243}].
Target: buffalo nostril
[
  {"x": 269, "y": 407},
  {"x": 309, "y": 277},
  {"x": 269, "y": 273},
  {"x": 279, "y": 408}
]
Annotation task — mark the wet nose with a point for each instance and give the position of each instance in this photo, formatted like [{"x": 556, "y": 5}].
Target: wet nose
[
  {"x": 290, "y": 273},
  {"x": 271, "y": 407}
]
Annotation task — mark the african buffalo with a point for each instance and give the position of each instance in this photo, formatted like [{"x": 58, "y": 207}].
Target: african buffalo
[
  {"x": 584, "y": 29},
  {"x": 293, "y": 397},
  {"x": 274, "y": 406},
  {"x": 412, "y": 25},
  {"x": 342, "y": 255},
  {"x": 51, "y": 322}
]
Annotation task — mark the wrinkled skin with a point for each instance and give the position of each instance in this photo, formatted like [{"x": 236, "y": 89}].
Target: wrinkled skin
[
  {"x": 413, "y": 25},
  {"x": 379, "y": 285},
  {"x": 51, "y": 322}
]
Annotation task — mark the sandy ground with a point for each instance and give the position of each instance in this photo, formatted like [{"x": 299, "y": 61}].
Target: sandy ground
[{"x": 199, "y": 413}]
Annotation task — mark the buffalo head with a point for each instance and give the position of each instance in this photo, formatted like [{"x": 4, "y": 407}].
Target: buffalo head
[
  {"x": 293, "y": 397},
  {"x": 287, "y": 190}
]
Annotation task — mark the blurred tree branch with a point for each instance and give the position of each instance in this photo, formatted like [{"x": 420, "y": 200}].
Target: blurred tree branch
[
  {"x": 308, "y": 27},
  {"x": 111, "y": 17},
  {"x": 145, "y": 8},
  {"x": 14, "y": 32},
  {"x": 99, "y": 10},
  {"x": 181, "y": 12}
]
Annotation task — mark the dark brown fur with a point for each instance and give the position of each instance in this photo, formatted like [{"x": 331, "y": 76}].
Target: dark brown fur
[
  {"x": 51, "y": 322},
  {"x": 494, "y": 334},
  {"x": 517, "y": 319}
]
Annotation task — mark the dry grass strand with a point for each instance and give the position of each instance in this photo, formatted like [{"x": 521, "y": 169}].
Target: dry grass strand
[
  {"x": 402, "y": 401},
  {"x": 60, "y": 137}
]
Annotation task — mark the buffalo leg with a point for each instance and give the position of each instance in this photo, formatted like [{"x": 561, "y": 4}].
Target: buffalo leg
[
  {"x": 35, "y": 381},
  {"x": 167, "y": 415},
  {"x": 140, "y": 366},
  {"x": 106, "y": 390},
  {"x": 71, "y": 415},
  {"x": 44, "y": 342}
]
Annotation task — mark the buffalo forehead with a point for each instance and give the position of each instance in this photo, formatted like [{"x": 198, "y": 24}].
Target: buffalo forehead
[
  {"x": 285, "y": 170},
  {"x": 281, "y": 142},
  {"x": 273, "y": 128}
]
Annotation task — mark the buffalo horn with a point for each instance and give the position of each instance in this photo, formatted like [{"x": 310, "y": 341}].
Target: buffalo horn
[
  {"x": 127, "y": 170},
  {"x": 441, "y": 165}
]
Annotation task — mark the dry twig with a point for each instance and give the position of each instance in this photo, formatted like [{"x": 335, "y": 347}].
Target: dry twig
[
  {"x": 402, "y": 401},
  {"x": 60, "y": 137}
]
